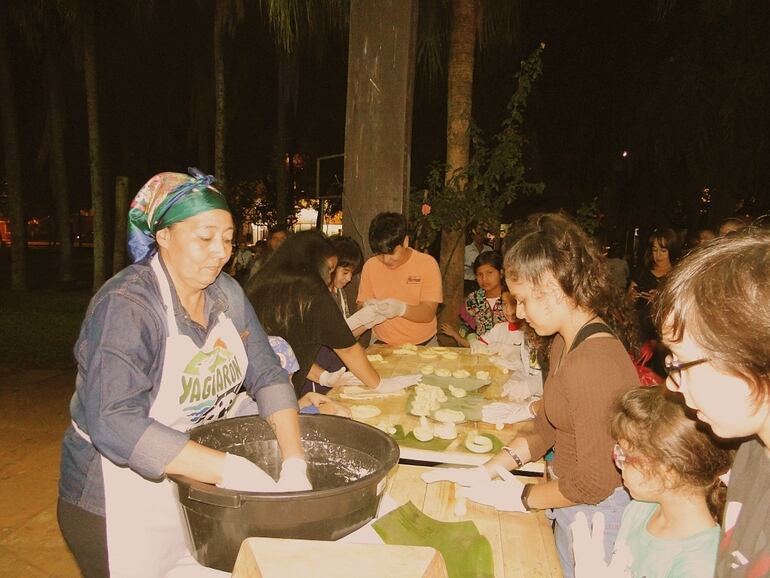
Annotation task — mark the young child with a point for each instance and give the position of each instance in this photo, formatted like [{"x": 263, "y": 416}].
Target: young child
[
  {"x": 508, "y": 345},
  {"x": 671, "y": 468},
  {"x": 350, "y": 260},
  {"x": 483, "y": 307}
]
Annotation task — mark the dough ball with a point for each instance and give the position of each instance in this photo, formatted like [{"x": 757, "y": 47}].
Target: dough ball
[
  {"x": 448, "y": 415},
  {"x": 441, "y": 372},
  {"x": 460, "y": 374}
]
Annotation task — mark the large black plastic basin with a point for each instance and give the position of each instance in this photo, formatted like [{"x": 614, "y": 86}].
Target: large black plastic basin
[{"x": 347, "y": 465}]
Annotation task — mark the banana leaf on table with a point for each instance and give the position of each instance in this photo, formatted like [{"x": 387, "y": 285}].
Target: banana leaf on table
[
  {"x": 408, "y": 440},
  {"x": 467, "y": 554}
]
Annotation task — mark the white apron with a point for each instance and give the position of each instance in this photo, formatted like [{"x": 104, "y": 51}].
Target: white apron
[{"x": 146, "y": 535}]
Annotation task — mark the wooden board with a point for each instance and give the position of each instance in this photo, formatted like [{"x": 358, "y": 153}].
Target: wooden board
[
  {"x": 394, "y": 408},
  {"x": 279, "y": 558},
  {"x": 522, "y": 544}
]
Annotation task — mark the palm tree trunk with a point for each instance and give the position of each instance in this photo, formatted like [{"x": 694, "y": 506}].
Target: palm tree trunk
[
  {"x": 462, "y": 51},
  {"x": 59, "y": 167},
  {"x": 94, "y": 144},
  {"x": 12, "y": 157},
  {"x": 220, "y": 128}
]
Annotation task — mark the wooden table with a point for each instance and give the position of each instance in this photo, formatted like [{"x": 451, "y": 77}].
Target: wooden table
[
  {"x": 522, "y": 544},
  {"x": 394, "y": 408}
]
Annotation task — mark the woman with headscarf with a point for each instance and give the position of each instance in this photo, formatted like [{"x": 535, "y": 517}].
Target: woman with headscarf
[{"x": 166, "y": 344}]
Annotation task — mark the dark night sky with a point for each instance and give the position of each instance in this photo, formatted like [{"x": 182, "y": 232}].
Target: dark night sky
[{"x": 685, "y": 94}]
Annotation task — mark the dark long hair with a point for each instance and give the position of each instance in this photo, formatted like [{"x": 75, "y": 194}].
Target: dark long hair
[
  {"x": 552, "y": 242},
  {"x": 284, "y": 288}
]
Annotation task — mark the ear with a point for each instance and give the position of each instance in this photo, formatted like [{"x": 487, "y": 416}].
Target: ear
[
  {"x": 163, "y": 237},
  {"x": 405, "y": 244}
]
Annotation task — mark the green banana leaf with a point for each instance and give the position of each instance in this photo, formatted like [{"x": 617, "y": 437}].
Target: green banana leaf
[
  {"x": 408, "y": 440},
  {"x": 467, "y": 554}
]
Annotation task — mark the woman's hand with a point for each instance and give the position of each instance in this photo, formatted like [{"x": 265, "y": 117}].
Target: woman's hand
[
  {"x": 648, "y": 295},
  {"x": 325, "y": 405},
  {"x": 243, "y": 475},
  {"x": 448, "y": 329},
  {"x": 633, "y": 293}
]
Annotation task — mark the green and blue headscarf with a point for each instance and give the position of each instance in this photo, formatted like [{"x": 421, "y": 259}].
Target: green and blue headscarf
[{"x": 165, "y": 199}]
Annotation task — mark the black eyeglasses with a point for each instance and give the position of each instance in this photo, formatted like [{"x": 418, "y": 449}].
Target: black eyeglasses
[{"x": 674, "y": 369}]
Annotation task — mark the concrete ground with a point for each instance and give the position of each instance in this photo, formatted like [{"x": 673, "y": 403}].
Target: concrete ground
[{"x": 35, "y": 414}]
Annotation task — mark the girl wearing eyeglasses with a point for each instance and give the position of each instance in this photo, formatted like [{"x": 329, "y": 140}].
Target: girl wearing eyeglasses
[
  {"x": 671, "y": 468},
  {"x": 714, "y": 315}
]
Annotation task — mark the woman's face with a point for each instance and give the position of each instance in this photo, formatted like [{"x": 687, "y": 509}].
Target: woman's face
[
  {"x": 721, "y": 400},
  {"x": 196, "y": 249},
  {"x": 342, "y": 276},
  {"x": 509, "y": 306},
  {"x": 488, "y": 277},
  {"x": 637, "y": 480},
  {"x": 660, "y": 255},
  {"x": 541, "y": 306}
]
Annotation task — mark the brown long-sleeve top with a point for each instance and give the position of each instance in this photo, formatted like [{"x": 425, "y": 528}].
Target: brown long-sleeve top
[{"x": 578, "y": 404}]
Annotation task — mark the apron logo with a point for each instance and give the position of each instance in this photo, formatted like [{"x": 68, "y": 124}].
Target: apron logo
[{"x": 208, "y": 380}]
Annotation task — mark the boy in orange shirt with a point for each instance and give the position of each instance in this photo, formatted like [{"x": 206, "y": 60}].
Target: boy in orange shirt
[{"x": 404, "y": 284}]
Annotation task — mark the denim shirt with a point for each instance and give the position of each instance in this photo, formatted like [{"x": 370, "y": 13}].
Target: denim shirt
[{"x": 120, "y": 354}]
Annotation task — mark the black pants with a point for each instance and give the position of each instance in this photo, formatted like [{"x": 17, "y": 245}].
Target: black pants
[{"x": 86, "y": 536}]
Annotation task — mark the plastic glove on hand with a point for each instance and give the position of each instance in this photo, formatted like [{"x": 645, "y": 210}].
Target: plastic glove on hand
[
  {"x": 505, "y": 363},
  {"x": 367, "y": 316},
  {"x": 503, "y": 494},
  {"x": 243, "y": 475},
  {"x": 330, "y": 378},
  {"x": 339, "y": 378},
  {"x": 462, "y": 476},
  {"x": 396, "y": 383},
  {"x": 294, "y": 476},
  {"x": 588, "y": 549},
  {"x": 390, "y": 307},
  {"x": 478, "y": 347},
  {"x": 516, "y": 389},
  {"x": 505, "y": 412}
]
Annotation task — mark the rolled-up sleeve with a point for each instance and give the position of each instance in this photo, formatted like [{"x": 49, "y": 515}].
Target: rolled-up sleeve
[
  {"x": 124, "y": 343},
  {"x": 266, "y": 381}
]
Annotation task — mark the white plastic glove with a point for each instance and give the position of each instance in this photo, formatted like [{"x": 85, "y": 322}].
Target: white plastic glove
[
  {"x": 588, "y": 549},
  {"x": 338, "y": 378},
  {"x": 503, "y": 494},
  {"x": 506, "y": 412},
  {"x": 396, "y": 383},
  {"x": 462, "y": 476},
  {"x": 293, "y": 476},
  {"x": 389, "y": 307},
  {"x": 505, "y": 363},
  {"x": 516, "y": 389},
  {"x": 246, "y": 476},
  {"x": 367, "y": 316},
  {"x": 478, "y": 347}
]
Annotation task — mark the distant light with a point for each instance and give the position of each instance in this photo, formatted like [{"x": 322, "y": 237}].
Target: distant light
[{"x": 624, "y": 154}]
